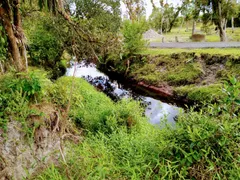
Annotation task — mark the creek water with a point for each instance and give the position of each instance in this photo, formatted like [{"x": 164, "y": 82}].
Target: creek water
[{"x": 155, "y": 110}]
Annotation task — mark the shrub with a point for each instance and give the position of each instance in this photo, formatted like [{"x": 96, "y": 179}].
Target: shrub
[
  {"x": 47, "y": 43},
  {"x": 132, "y": 37},
  {"x": 198, "y": 37},
  {"x": 17, "y": 92},
  {"x": 27, "y": 83}
]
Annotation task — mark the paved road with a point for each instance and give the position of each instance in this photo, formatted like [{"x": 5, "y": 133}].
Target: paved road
[{"x": 194, "y": 45}]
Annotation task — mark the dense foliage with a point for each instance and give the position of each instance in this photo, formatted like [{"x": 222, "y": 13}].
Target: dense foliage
[
  {"x": 3, "y": 46},
  {"x": 132, "y": 37},
  {"x": 47, "y": 43},
  {"x": 202, "y": 145}
]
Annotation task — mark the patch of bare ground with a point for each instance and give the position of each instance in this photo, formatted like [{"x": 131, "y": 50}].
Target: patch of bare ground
[
  {"x": 210, "y": 71},
  {"x": 20, "y": 158}
]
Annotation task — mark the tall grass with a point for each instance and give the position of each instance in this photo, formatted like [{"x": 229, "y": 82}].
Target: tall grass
[{"x": 202, "y": 145}]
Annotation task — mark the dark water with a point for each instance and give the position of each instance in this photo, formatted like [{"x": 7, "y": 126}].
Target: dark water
[{"x": 155, "y": 110}]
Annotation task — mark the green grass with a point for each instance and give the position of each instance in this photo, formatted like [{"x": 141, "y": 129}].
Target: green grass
[
  {"x": 184, "y": 74},
  {"x": 201, "y": 144},
  {"x": 198, "y": 80},
  {"x": 202, "y": 94},
  {"x": 119, "y": 143},
  {"x": 93, "y": 110},
  {"x": 168, "y": 69},
  {"x": 212, "y": 51},
  {"x": 184, "y": 36}
]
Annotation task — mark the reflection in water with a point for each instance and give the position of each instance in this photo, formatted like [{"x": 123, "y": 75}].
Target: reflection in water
[{"x": 155, "y": 109}]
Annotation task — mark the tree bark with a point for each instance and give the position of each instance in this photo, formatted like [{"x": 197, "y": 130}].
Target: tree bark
[
  {"x": 19, "y": 33},
  {"x": 221, "y": 24},
  {"x": 1, "y": 68},
  {"x": 174, "y": 19},
  {"x": 161, "y": 28},
  {"x": 232, "y": 24},
  {"x": 222, "y": 34},
  {"x": 186, "y": 26},
  {"x": 194, "y": 27},
  {"x": 5, "y": 17}
]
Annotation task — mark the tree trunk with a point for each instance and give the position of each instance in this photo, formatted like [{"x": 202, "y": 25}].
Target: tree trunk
[
  {"x": 161, "y": 27},
  {"x": 225, "y": 25},
  {"x": 186, "y": 26},
  {"x": 194, "y": 27},
  {"x": 174, "y": 19},
  {"x": 222, "y": 34},
  {"x": 5, "y": 17},
  {"x": 167, "y": 25},
  {"x": 221, "y": 24},
  {"x": 232, "y": 24},
  {"x": 19, "y": 33},
  {"x": 1, "y": 68}
]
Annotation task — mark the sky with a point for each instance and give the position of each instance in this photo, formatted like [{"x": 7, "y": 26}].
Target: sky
[{"x": 148, "y": 6}]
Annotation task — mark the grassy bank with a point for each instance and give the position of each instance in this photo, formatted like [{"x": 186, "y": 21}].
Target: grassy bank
[
  {"x": 201, "y": 146},
  {"x": 196, "y": 74},
  {"x": 115, "y": 141}
]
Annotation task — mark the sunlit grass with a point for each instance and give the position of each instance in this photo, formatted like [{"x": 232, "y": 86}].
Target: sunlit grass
[
  {"x": 184, "y": 36},
  {"x": 222, "y": 51}
]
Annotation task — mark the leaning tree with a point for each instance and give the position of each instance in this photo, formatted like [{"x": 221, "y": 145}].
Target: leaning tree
[
  {"x": 86, "y": 36},
  {"x": 10, "y": 19}
]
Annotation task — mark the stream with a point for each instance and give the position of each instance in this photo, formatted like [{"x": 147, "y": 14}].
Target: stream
[{"x": 155, "y": 110}]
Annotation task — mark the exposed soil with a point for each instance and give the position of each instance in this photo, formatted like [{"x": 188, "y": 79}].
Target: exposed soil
[{"x": 21, "y": 157}]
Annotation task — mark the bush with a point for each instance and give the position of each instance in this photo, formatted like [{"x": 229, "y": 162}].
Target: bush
[
  {"x": 17, "y": 92},
  {"x": 198, "y": 37},
  {"x": 47, "y": 43},
  {"x": 132, "y": 37},
  {"x": 27, "y": 83}
]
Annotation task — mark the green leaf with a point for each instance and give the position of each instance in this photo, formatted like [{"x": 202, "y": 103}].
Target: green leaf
[
  {"x": 233, "y": 80},
  {"x": 2, "y": 40},
  {"x": 237, "y": 101}
]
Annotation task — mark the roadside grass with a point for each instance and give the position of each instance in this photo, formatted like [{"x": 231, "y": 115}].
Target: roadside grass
[{"x": 212, "y": 51}]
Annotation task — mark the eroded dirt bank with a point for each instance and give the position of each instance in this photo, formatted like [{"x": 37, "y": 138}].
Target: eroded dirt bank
[{"x": 23, "y": 155}]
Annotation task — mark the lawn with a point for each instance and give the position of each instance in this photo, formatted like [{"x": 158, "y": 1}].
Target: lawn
[
  {"x": 222, "y": 51},
  {"x": 211, "y": 36}
]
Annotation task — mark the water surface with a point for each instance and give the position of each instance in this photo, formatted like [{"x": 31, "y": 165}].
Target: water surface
[{"x": 155, "y": 110}]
